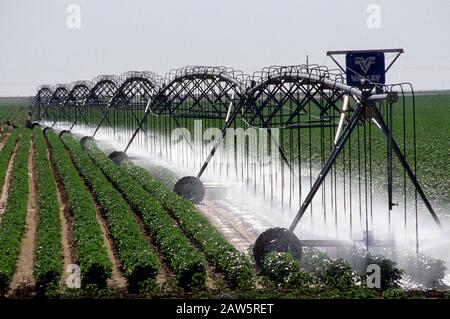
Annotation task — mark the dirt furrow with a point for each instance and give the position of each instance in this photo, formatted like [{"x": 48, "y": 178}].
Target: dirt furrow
[
  {"x": 66, "y": 222},
  {"x": 3, "y": 140},
  {"x": 165, "y": 273},
  {"x": 6, "y": 185},
  {"x": 22, "y": 282},
  {"x": 214, "y": 279},
  {"x": 230, "y": 228},
  {"x": 117, "y": 280}
]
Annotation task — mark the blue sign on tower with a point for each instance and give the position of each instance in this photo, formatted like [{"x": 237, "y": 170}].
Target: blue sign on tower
[{"x": 365, "y": 69}]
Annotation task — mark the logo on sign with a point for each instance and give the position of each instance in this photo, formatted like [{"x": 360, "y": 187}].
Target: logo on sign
[
  {"x": 366, "y": 63},
  {"x": 365, "y": 69}
]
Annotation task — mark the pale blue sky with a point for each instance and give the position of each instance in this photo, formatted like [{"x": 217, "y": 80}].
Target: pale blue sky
[{"x": 37, "y": 47}]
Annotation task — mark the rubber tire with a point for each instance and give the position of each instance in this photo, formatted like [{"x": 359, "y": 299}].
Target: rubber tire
[
  {"x": 84, "y": 140},
  {"x": 276, "y": 239},
  {"x": 63, "y": 132},
  {"x": 191, "y": 188},
  {"x": 117, "y": 157}
]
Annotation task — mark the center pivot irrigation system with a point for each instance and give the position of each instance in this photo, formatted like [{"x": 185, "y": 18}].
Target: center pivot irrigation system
[{"x": 322, "y": 123}]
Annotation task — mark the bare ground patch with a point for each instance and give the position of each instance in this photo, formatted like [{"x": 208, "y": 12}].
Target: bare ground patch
[
  {"x": 4, "y": 137},
  {"x": 232, "y": 229},
  {"x": 117, "y": 280},
  {"x": 7, "y": 183}
]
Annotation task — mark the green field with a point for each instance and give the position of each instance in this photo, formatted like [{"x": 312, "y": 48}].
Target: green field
[
  {"x": 132, "y": 236},
  {"x": 433, "y": 140}
]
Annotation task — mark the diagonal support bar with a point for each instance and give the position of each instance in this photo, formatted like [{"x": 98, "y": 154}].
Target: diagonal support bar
[
  {"x": 141, "y": 123},
  {"x": 384, "y": 129},
  {"x": 105, "y": 115},
  {"x": 78, "y": 115}
]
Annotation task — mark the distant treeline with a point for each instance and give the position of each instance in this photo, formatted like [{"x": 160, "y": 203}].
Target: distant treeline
[
  {"x": 27, "y": 100},
  {"x": 16, "y": 100}
]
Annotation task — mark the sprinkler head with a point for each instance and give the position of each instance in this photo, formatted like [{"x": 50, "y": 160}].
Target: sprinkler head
[
  {"x": 118, "y": 156},
  {"x": 63, "y": 132},
  {"x": 84, "y": 141},
  {"x": 276, "y": 239},
  {"x": 191, "y": 188}
]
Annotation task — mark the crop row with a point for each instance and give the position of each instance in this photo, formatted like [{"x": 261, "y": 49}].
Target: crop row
[
  {"x": 283, "y": 269},
  {"x": 5, "y": 155},
  {"x": 235, "y": 267},
  {"x": 90, "y": 250},
  {"x": 48, "y": 259},
  {"x": 187, "y": 263},
  {"x": 13, "y": 220},
  {"x": 139, "y": 263},
  {"x": 14, "y": 114}
]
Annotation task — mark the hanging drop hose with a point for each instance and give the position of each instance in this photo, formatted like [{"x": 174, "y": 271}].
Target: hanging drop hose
[
  {"x": 191, "y": 187},
  {"x": 342, "y": 118}
]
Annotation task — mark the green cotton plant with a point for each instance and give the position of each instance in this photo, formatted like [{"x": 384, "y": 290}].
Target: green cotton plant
[
  {"x": 424, "y": 269},
  {"x": 139, "y": 263},
  {"x": 48, "y": 264},
  {"x": 336, "y": 273},
  {"x": 390, "y": 274},
  {"x": 89, "y": 247},
  {"x": 235, "y": 266},
  {"x": 187, "y": 263},
  {"x": 164, "y": 175},
  {"x": 432, "y": 270},
  {"x": 12, "y": 225},
  {"x": 283, "y": 269},
  {"x": 394, "y": 293},
  {"x": 313, "y": 259}
]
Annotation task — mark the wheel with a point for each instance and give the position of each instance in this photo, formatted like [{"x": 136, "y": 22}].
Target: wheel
[
  {"x": 84, "y": 141},
  {"x": 276, "y": 239},
  {"x": 191, "y": 188},
  {"x": 63, "y": 132},
  {"x": 117, "y": 157}
]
